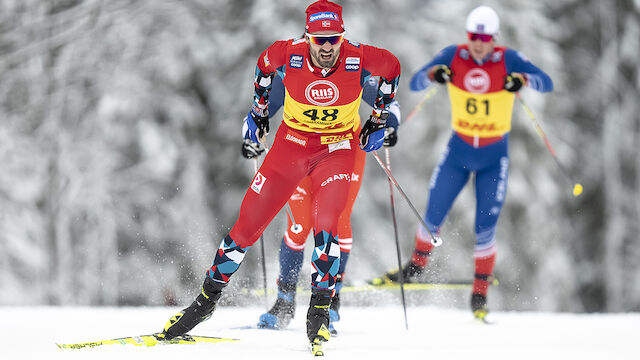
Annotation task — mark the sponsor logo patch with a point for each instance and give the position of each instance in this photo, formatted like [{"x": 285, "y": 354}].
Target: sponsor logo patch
[
  {"x": 296, "y": 61},
  {"x": 336, "y": 177},
  {"x": 297, "y": 139},
  {"x": 496, "y": 57},
  {"x": 352, "y": 60},
  {"x": 481, "y": 128},
  {"x": 345, "y": 144},
  {"x": 464, "y": 54},
  {"x": 356, "y": 44},
  {"x": 258, "y": 182},
  {"x": 322, "y": 93},
  {"x": 327, "y": 15},
  {"x": 330, "y": 139},
  {"x": 298, "y": 41},
  {"x": 477, "y": 81}
]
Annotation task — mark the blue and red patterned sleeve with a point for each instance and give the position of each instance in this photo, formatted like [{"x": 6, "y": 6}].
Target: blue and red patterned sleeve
[
  {"x": 268, "y": 63},
  {"x": 382, "y": 63}
]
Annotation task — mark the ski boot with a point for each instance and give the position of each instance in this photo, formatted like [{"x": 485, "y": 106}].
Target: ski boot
[
  {"x": 334, "y": 315},
  {"x": 318, "y": 319},
  {"x": 280, "y": 315},
  {"x": 479, "y": 307},
  {"x": 410, "y": 271},
  {"x": 199, "y": 311}
]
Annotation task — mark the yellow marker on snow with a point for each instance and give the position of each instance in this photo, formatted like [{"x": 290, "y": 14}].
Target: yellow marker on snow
[{"x": 577, "y": 190}]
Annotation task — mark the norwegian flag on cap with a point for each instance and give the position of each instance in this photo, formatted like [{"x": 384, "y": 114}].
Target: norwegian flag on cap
[{"x": 324, "y": 15}]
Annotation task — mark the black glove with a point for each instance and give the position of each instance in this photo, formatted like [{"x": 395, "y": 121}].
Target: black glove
[
  {"x": 251, "y": 149},
  {"x": 442, "y": 74},
  {"x": 262, "y": 124},
  {"x": 390, "y": 136},
  {"x": 513, "y": 82}
]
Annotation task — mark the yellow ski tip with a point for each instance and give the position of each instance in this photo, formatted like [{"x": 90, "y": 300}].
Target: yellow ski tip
[{"x": 577, "y": 190}]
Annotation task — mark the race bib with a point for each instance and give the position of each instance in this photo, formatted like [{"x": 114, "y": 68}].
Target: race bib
[{"x": 482, "y": 115}]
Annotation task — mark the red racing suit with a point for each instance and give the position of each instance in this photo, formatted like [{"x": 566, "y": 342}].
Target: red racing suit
[{"x": 317, "y": 138}]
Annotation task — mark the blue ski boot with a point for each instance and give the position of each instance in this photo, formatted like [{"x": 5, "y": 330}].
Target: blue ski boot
[{"x": 280, "y": 315}]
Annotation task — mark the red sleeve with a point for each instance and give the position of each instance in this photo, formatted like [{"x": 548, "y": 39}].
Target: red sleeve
[
  {"x": 274, "y": 57},
  {"x": 380, "y": 62},
  {"x": 268, "y": 62}
]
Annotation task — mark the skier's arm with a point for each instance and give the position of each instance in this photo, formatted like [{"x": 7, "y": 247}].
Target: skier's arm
[
  {"x": 382, "y": 63},
  {"x": 516, "y": 62},
  {"x": 270, "y": 61},
  {"x": 369, "y": 95},
  {"x": 276, "y": 95},
  {"x": 421, "y": 80}
]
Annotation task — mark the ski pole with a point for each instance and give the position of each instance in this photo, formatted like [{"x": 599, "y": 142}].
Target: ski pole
[
  {"x": 264, "y": 263},
  {"x": 395, "y": 233},
  {"x": 295, "y": 228},
  {"x": 436, "y": 241},
  {"x": 430, "y": 92},
  {"x": 577, "y": 187}
]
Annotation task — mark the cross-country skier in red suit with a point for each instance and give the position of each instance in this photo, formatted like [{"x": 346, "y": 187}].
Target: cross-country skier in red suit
[
  {"x": 291, "y": 253},
  {"x": 482, "y": 79},
  {"x": 323, "y": 75}
]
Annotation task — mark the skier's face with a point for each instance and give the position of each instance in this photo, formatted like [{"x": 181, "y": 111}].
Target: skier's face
[
  {"x": 324, "y": 47},
  {"x": 480, "y": 45}
]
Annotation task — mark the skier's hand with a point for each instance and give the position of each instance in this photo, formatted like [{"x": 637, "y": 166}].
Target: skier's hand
[
  {"x": 441, "y": 74},
  {"x": 251, "y": 149},
  {"x": 257, "y": 127},
  {"x": 514, "y": 82},
  {"x": 372, "y": 133},
  {"x": 390, "y": 136}
]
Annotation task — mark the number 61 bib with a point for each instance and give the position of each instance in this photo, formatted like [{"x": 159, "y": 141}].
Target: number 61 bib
[{"x": 482, "y": 115}]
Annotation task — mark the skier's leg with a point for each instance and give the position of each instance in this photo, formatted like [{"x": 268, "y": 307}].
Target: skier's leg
[
  {"x": 345, "y": 236},
  {"x": 331, "y": 181},
  {"x": 447, "y": 180},
  {"x": 283, "y": 168},
  {"x": 491, "y": 186},
  {"x": 291, "y": 256}
]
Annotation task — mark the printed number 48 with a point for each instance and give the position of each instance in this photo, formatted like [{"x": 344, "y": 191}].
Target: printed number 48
[
  {"x": 328, "y": 114},
  {"x": 472, "y": 106}
]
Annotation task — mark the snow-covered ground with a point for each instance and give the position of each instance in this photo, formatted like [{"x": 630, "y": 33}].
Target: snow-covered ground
[{"x": 365, "y": 332}]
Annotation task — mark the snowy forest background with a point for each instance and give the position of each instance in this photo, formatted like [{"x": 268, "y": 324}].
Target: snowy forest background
[{"x": 120, "y": 148}]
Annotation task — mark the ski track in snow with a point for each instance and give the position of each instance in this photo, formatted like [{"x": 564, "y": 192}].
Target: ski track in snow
[{"x": 374, "y": 332}]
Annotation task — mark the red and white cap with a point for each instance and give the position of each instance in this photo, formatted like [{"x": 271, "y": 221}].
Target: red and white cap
[{"x": 324, "y": 15}]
